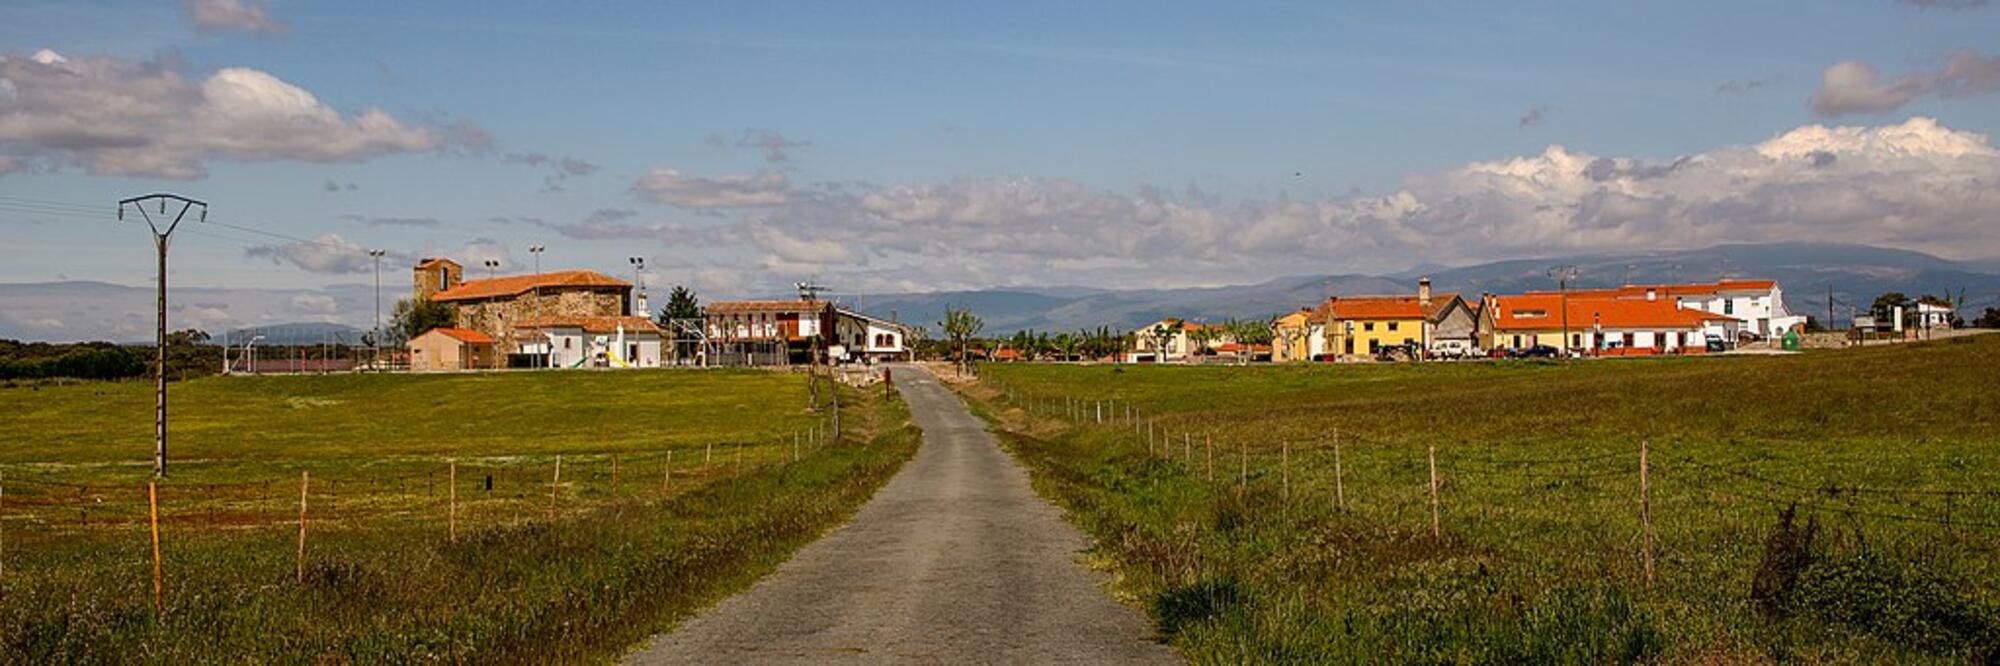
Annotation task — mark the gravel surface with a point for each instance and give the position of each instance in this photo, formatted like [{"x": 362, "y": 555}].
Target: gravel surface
[{"x": 955, "y": 560}]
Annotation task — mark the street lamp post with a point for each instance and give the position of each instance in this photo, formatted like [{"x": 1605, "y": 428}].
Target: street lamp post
[
  {"x": 1563, "y": 274},
  {"x": 491, "y": 265},
  {"x": 638, "y": 278},
  {"x": 375, "y": 340}
]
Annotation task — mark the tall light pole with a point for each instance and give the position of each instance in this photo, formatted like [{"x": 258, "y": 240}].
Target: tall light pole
[
  {"x": 491, "y": 265},
  {"x": 1563, "y": 274},
  {"x": 160, "y": 241},
  {"x": 638, "y": 278},
  {"x": 537, "y": 251},
  {"x": 376, "y": 339}
]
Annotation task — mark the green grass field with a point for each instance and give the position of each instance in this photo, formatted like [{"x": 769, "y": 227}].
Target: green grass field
[
  {"x": 541, "y": 569},
  {"x": 1892, "y": 453}
]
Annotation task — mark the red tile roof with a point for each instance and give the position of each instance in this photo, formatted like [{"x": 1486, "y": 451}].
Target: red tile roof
[
  {"x": 514, "y": 285},
  {"x": 1539, "y": 311},
  {"x": 1387, "y": 307},
  {"x": 434, "y": 261},
  {"x": 464, "y": 335},
  {"x": 1235, "y": 348},
  {"x": 740, "y": 307},
  {"x": 600, "y": 324}
]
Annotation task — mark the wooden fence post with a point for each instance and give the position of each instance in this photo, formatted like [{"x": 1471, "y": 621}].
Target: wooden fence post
[
  {"x": 153, "y": 513},
  {"x": 706, "y": 451},
  {"x": 555, "y": 487},
  {"x": 451, "y": 510},
  {"x": 1285, "y": 470},
  {"x": 1208, "y": 445},
  {"x": 1646, "y": 506},
  {"x": 1149, "y": 434},
  {"x": 1187, "y": 450},
  {"x": 667, "y": 476},
  {"x": 1339, "y": 482},
  {"x": 305, "y": 479},
  {"x": 1436, "y": 530},
  {"x": 614, "y": 477}
]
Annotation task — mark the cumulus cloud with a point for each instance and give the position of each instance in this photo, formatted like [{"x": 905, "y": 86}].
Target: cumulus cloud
[
  {"x": 1915, "y": 184},
  {"x": 1857, "y": 87},
  {"x": 221, "y": 15},
  {"x": 668, "y": 186},
  {"x": 328, "y": 253},
  {"x": 122, "y": 118},
  {"x": 775, "y": 146}
]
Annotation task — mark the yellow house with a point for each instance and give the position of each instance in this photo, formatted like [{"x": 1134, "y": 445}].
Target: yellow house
[
  {"x": 1297, "y": 336},
  {"x": 1424, "y": 323}
]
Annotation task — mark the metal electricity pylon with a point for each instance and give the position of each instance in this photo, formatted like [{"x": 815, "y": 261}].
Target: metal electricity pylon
[{"x": 160, "y": 240}]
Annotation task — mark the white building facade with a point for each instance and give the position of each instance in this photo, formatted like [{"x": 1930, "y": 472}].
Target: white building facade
[{"x": 859, "y": 338}]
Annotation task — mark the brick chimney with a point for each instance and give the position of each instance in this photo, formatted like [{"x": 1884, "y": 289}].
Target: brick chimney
[{"x": 1424, "y": 291}]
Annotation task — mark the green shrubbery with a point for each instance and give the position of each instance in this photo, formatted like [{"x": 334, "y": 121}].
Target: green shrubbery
[{"x": 94, "y": 360}]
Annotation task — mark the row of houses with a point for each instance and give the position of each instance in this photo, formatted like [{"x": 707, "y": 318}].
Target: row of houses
[
  {"x": 585, "y": 319},
  {"x": 1627, "y": 320}
]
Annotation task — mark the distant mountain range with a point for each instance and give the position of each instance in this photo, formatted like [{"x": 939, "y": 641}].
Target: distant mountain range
[
  {"x": 1806, "y": 271},
  {"x": 69, "y": 311}
]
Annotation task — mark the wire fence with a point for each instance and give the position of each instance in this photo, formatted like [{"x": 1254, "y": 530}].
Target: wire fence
[{"x": 1206, "y": 443}]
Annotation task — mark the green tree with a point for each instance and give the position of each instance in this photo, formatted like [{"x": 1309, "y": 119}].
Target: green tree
[
  {"x": 1991, "y": 319},
  {"x": 681, "y": 304},
  {"x": 1200, "y": 335},
  {"x": 413, "y": 318},
  {"x": 960, "y": 325},
  {"x": 1885, "y": 305}
]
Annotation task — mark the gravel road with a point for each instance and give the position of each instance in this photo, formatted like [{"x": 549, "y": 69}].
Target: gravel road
[{"x": 955, "y": 560}]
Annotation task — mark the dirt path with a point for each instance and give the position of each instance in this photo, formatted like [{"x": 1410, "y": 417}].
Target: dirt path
[{"x": 956, "y": 560}]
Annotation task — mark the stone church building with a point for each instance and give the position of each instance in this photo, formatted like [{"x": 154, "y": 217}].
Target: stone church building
[{"x": 500, "y": 307}]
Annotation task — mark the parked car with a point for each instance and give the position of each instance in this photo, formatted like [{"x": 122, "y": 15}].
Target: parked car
[
  {"x": 1716, "y": 343},
  {"x": 1537, "y": 351}
]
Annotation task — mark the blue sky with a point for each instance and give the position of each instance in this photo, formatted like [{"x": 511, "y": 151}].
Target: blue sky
[{"x": 952, "y": 145}]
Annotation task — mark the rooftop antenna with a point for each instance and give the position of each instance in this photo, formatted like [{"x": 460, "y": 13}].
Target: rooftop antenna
[{"x": 809, "y": 291}]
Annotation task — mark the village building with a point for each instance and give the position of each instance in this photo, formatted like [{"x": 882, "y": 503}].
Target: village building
[
  {"x": 1425, "y": 323},
  {"x": 1758, "y": 306},
  {"x": 1298, "y": 336},
  {"x": 768, "y": 332},
  {"x": 496, "y": 307},
  {"x": 452, "y": 349},
  {"x": 859, "y": 338},
  {"x": 1173, "y": 339},
  {"x": 1596, "y": 325},
  {"x": 591, "y": 342},
  {"x": 1932, "y": 314}
]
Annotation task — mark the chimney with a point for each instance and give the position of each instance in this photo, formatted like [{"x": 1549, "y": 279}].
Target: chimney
[
  {"x": 1424, "y": 290},
  {"x": 1652, "y": 294}
]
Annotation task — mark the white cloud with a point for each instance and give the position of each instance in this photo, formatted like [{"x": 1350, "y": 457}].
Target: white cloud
[
  {"x": 329, "y": 254},
  {"x": 1915, "y": 184},
  {"x": 123, "y": 118},
  {"x": 668, "y": 186},
  {"x": 311, "y": 303},
  {"x": 1856, "y": 87},
  {"x": 244, "y": 15}
]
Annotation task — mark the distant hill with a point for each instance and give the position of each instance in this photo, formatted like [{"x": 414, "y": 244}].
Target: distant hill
[{"x": 1856, "y": 274}]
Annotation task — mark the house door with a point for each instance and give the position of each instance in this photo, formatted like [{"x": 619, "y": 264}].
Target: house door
[{"x": 1350, "y": 346}]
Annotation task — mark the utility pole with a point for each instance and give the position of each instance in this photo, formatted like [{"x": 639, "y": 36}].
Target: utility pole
[
  {"x": 1829, "y": 306},
  {"x": 1563, "y": 274},
  {"x": 160, "y": 241}
]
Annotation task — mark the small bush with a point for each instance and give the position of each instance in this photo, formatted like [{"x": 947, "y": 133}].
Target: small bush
[{"x": 1788, "y": 552}]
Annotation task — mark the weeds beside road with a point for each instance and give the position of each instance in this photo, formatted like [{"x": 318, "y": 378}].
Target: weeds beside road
[{"x": 1269, "y": 549}]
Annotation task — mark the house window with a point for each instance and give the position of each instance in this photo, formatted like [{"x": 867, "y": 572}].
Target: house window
[
  {"x": 1374, "y": 346},
  {"x": 1517, "y": 342},
  {"x": 1576, "y": 339},
  {"x": 1392, "y": 325},
  {"x": 567, "y": 342},
  {"x": 1370, "y": 326},
  {"x": 1729, "y": 306}
]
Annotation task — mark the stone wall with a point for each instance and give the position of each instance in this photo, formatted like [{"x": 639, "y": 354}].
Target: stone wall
[{"x": 497, "y": 318}]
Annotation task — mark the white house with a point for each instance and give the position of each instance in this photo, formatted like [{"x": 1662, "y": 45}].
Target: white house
[
  {"x": 864, "y": 339},
  {"x": 1757, "y": 305},
  {"x": 591, "y": 342},
  {"x": 1167, "y": 340},
  {"x": 1933, "y": 315}
]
